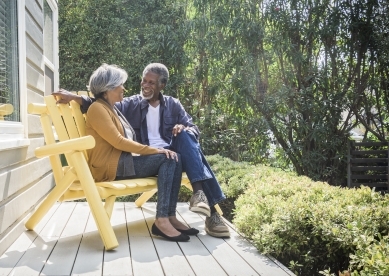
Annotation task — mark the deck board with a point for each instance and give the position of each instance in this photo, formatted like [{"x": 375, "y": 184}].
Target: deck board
[
  {"x": 118, "y": 261},
  {"x": 66, "y": 242},
  {"x": 145, "y": 260},
  {"x": 34, "y": 259},
  {"x": 172, "y": 258},
  {"x": 91, "y": 252},
  {"x": 223, "y": 253},
  {"x": 62, "y": 258}
]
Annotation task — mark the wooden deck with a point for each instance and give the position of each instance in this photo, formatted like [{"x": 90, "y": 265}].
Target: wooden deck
[{"x": 66, "y": 242}]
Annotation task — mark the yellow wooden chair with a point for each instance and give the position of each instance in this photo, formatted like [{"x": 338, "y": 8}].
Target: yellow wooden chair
[{"x": 66, "y": 123}]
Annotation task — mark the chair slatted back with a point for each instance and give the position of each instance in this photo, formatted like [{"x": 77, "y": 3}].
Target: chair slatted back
[{"x": 63, "y": 121}]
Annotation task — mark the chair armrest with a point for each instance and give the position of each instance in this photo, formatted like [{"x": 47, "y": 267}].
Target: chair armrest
[
  {"x": 78, "y": 144},
  {"x": 36, "y": 108}
]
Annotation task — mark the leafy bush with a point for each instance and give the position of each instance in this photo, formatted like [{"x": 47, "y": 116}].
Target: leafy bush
[
  {"x": 233, "y": 176},
  {"x": 313, "y": 226}
]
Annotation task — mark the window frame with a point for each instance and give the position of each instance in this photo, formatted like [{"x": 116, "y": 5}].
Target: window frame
[{"x": 14, "y": 134}]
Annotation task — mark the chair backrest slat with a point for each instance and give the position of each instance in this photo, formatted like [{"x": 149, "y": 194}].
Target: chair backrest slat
[
  {"x": 56, "y": 117},
  {"x": 47, "y": 129},
  {"x": 78, "y": 117},
  {"x": 70, "y": 124}
]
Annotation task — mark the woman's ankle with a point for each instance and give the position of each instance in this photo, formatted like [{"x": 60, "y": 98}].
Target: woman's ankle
[
  {"x": 177, "y": 224},
  {"x": 164, "y": 224}
]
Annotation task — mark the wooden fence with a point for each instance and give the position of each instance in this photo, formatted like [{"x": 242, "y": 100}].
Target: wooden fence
[{"x": 368, "y": 165}]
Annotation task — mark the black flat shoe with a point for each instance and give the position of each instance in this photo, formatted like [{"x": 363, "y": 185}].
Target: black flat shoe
[
  {"x": 180, "y": 238},
  {"x": 189, "y": 232}
]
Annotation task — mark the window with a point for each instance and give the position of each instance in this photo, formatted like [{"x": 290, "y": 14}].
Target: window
[{"x": 9, "y": 77}]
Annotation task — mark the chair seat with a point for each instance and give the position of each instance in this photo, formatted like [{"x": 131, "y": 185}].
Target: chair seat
[{"x": 117, "y": 188}]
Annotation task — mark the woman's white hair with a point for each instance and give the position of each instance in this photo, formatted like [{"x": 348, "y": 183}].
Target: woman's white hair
[{"x": 106, "y": 77}]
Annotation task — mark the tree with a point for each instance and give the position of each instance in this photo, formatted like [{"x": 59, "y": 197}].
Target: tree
[{"x": 130, "y": 34}]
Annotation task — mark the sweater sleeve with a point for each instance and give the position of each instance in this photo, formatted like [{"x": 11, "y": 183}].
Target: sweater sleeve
[{"x": 102, "y": 123}]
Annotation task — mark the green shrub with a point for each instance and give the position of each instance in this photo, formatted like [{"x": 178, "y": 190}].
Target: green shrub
[
  {"x": 313, "y": 226},
  {"x": 232, "y": 176}
]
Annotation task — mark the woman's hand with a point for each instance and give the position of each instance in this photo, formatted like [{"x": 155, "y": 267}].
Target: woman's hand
[{"x": 169, "y": 153}]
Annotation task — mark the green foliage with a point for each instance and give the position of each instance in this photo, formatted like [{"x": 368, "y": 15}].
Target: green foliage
[
  {"x": 130, "y": 34},
  {"x": 313, "y": 224},
  {"x": 371, "y": 256},
  {"x": 301, "y": 69},
  {"x": 279, "y": 83},
  {"x": 234, "y": 177}
]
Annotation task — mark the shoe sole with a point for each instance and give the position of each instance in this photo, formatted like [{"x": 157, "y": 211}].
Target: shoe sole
[
  {"x": 200, "y": 210},
  {"x": 217, "y": 235}
]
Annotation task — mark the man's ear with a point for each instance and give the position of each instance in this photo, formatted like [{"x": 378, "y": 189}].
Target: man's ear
[{"x": 162, "y": 86}]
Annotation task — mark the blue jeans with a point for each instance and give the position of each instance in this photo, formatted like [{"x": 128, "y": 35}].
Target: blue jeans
[
  {"x": 195, "y": 165},
  {"x": 169, "y": 173}
]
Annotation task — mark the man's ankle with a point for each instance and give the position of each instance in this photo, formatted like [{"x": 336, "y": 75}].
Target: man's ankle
[{"x": 197, "y": 186}]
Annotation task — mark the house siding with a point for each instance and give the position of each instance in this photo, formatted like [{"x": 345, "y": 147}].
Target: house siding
[{"x": 24, "y": 179}]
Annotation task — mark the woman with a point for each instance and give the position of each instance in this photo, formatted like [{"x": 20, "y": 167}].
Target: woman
[{"x": 117, "y": 156}]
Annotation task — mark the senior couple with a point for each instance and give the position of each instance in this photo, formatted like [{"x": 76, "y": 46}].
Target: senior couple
[{"x": 146, "y": 135}]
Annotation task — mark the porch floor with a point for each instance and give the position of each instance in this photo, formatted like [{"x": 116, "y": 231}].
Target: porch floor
[{"x": 66, "y": 242}]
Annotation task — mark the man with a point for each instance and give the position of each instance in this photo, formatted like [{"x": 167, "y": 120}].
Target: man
[{"x": 161, "y": 121}]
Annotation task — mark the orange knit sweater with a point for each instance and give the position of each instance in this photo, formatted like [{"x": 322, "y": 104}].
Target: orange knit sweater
[{"x": 104, "y": 125}]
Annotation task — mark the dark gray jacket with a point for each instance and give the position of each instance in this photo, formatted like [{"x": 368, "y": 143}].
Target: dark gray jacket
[{"x": 135, "y": 108}]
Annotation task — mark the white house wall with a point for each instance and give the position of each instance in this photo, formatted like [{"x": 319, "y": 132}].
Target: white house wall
[{"x": 24, "y": 179}]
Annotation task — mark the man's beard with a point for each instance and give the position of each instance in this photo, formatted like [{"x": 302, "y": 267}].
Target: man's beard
[{"x": 143, "y": 96}]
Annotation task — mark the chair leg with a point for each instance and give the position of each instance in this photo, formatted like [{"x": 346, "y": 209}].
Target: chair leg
[
  {"x": 144, "y": 197},
  {"x": 218, "y": 209},
  {"x": 93, "y": 198},
  {"x": 188, "y": 185},
  {"x": 108, "y": 206},
  {"x": 51, "y": 199}
]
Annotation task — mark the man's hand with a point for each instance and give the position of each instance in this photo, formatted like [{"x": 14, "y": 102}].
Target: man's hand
[
  {"x": 63, "y": 96},
  {"x": 177, "y": 129}
]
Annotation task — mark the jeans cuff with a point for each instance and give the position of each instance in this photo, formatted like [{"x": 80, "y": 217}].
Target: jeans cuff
[
  {"x": 200, "y": 179},
  {"x": 218, "y": 201},
  {"x": 161, "y": 215},
  {"x": 172, "y": 212}
]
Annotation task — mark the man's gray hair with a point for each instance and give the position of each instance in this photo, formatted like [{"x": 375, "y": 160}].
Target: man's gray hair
[
  {"x": 106, "y": 77},
  {"x": 159, "y": 69}
]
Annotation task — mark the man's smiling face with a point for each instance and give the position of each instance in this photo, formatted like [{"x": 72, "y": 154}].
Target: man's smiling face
[{"x": 150, "y": 87}]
